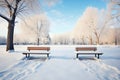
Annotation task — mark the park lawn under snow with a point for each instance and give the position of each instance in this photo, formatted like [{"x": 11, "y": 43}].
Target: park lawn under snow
[{"x": 62, "y": 65}]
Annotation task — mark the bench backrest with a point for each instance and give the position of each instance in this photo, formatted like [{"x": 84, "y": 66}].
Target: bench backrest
[
  {"x": 38, "y": 48},
  {"x": 86, "y": 48}
]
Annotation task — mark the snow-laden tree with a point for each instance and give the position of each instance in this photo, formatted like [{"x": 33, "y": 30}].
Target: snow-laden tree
[
  {"x": 41, "y": 30},
  {"x": 92, "y": 24},
  {"x": 86, "y": 25},
  {"x": 90, "y": 18},
  {"x": 114, "y": 11},
  {"x": 35, "y": 29},
  {"x": 10, "y": 10},
  {"x": 104, "y": 21}
]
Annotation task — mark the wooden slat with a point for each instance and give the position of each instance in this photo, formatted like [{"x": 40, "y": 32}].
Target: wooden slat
[
  {"x": 38, "y": 48},
  {"x": 86, "y": 48}
]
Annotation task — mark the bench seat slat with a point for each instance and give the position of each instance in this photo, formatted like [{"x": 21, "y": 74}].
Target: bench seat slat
[
  {"x": 38, "y": 48},
  {"x": 86, "y": 49}
]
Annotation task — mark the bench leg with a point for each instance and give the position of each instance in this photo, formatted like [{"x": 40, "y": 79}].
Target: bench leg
[
  {"x": 28, "y": 55},
  {"x": 98, "y": 56},
  {"x": 95, "y": 55},
  {"x": 48, "y": 55},
  {"x": 76, "y": 55}
]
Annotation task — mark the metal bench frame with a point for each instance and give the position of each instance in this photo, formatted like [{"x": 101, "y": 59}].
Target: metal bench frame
[
  {"x": 82, "y": 49},
  {"x": 37, "y": 48}
]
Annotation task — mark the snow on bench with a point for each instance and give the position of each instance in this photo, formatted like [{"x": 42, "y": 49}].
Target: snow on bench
[
  {"x": 87, "y": 51},
  {"x": 37, "y": 50}
]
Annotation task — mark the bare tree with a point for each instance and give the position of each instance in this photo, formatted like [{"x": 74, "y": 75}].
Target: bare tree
[{"x": 9, "y": 10}]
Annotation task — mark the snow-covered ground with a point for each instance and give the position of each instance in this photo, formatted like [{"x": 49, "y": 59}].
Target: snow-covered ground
[{"x": 62, "y": 64}]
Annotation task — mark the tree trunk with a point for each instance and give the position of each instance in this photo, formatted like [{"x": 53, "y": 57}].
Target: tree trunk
[
  {"x": 10, "y": 35},
  {"x": 37, "y": 41},
  {"x": 116, "y": 36},
  {"x": 83, "y": 41},
  {"x": 98, "y": 40},
  {"x": 91, "y": 41},
  {"x": 115, "y": 40}
]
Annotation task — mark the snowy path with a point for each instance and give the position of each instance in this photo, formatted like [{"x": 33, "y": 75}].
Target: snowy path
[
  {"x": 59, "y": 69},
  {"x": 62, "y": 65},
  {"x": 20, "y": 70},
  {"x": 102, "y": 71}
]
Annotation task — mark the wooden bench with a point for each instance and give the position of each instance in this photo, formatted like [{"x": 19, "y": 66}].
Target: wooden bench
[
  {"x": 87, "y": 51},
  {"x": 47, "y": 49}
]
